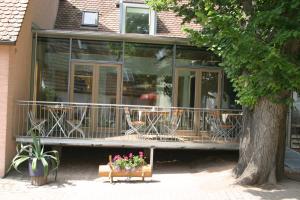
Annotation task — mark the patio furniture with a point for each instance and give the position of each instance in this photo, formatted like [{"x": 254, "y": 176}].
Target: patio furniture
[
  {"x": 134, "y": 126},
  {"x": 173, "y": 121},
  {"x": 219, "y": 128},
  {"x": 58, "y": 113},
  {"x": 36, "y": 124},
  {"x": 153, "y": 117},
  {"x": 76, "y": 124}
]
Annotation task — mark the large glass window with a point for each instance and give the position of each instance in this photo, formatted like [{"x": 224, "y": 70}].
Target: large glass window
[
  {"x": 53, "y": 67},
  {"x": 187, "y": 56},
  {"x": 137, "y": 20},
  {"x": 96, "y": 50},
  {"x": 147, "y": 74}
]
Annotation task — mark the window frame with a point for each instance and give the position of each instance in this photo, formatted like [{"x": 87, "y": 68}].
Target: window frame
[
  {"x": 89, "y": 25},
  {"x": 152, "y": 17}
]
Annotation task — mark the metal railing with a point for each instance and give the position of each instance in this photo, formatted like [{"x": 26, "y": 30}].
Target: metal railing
[{"x": 126, "y": 122}]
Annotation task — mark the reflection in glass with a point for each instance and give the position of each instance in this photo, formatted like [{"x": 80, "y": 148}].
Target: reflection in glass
[
  {"x": 96, "y": 50},
  {"x": 107, "y": 85},
  {"x": 83, "y": 83},
  {"x": 147, "y": 74},
  {"x": 90, "y": 18},
  {"x": 209, "y": 90},
  {"x": 192, "y": 56},
  {"x": 229, "y": 96},
  {"x": 107, "y": 94},
  {"x": 53, "y": 67},
  {"x": 186, "y": 89},
  {"x": 137, "y": 20}
]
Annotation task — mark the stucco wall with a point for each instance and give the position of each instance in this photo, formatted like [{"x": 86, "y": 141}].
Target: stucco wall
[
  {"x": 4, "y": 71},
  {"x": 15, "y": 70}
]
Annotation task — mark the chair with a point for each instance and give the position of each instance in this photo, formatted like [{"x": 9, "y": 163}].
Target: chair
[
  {"x": 173, "y": 121},
  {"x": 218, "y": 127},
  {"x": 76, "y": 124},
  {"x": 133, "y": 125},
  {"x": 36, "y": 124}
]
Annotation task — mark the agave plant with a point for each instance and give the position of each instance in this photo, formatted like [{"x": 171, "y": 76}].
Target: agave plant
[{"x": 35, "y": 153}]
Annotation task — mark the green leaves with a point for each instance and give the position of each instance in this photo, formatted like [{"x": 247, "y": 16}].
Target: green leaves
[{"x": 35, "y": 151}]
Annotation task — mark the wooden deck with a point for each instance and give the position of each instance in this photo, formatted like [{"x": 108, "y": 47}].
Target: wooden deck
[{"x": 132, "y": 141}]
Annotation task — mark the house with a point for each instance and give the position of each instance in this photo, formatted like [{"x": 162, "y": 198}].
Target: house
[
  {"x": 109, "y": 73},
  {"x": 17, "y": 17}
]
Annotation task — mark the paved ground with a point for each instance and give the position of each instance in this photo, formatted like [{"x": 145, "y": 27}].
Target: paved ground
[{"x": 177, "y": 176}]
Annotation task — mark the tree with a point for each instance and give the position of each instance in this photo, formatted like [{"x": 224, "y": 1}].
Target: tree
[{"x": 259, "y": 43}]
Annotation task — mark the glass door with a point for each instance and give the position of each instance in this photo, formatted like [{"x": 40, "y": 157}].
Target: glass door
[
  {"x": 108, "y": 93},
  {"x": 82, "y": 91},
  {"x": 196, "y": 88},
  {"x": 100, "y": 84}
]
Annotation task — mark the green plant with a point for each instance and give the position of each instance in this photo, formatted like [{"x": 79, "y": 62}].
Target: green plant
[
  {"x": 36, "y": 153},
  {"x": 129, "y": 162}
]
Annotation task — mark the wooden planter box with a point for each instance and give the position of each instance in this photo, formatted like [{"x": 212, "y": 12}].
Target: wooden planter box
[{"x": 108, "y": 171}]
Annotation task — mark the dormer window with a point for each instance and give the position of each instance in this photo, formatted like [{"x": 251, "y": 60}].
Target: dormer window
[
  {"x": 89, "y": 18},
  {"x": 138, "y": 18}
]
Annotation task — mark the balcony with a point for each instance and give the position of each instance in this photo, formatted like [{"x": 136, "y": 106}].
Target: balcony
[{"x": 111, "y": 125}]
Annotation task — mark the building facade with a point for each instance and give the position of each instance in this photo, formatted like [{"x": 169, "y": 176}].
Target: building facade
[{"x": 109, "y": 73}]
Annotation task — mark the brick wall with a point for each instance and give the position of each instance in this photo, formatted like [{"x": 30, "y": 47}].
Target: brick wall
[{"x": 69, "y": 17}]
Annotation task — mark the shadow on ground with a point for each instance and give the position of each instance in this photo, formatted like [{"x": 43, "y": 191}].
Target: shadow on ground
[{"x": 81, "y": 163}]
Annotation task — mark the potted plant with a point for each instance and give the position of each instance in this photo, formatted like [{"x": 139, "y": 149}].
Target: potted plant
[
  {"x": 39, "y": 161},
  {"x": 128, "y": 163}
]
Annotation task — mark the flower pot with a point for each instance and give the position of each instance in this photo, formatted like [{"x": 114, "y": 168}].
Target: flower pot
[{"x": 38, "y": 177}]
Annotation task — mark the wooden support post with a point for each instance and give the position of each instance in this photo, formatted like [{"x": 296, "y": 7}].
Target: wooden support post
[{"x": 151, "y": 157}]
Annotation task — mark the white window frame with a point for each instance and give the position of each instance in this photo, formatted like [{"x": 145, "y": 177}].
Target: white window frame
[
  {"x": 89, "y": 25},
  {"x": 152, "y": 17}
]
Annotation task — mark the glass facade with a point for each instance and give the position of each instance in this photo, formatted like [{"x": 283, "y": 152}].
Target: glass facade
[
  {"x": 53, "y": 69},
  {"x": 147, "y": 74},
  {"x": 189, "y": 56},
  {"x": 94, "y": 71},
  {"x": 96, "y": 50}
]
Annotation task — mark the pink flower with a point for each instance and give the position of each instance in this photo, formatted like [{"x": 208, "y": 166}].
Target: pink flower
[
  {"x": 125, "y": 157},
  {"x": 130, "y": 155},
  {"x": 141, "y": 154},
  {"x": 116, "y": 157}
]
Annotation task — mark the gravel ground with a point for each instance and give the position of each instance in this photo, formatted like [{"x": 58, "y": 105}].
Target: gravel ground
[{"x": 178, "y": 175}]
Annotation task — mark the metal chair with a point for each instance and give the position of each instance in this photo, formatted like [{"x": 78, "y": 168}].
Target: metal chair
[
  {"x": 133, "y": 125},
  {"x": 36, "y": 124},
  {"x": 173, "y": 121},
  {"x": 219, "y": 128},
  {"x": 76, "y": 124}
]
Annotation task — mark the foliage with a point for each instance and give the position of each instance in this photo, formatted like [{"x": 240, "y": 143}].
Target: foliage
[
  {"x": 35, "y": 151},
  {"x": 258, "y": 41},
  {"x": 129, "y": 162}
]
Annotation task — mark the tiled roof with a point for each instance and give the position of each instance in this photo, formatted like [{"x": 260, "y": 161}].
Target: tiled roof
[{"x": 12, "y": 13}]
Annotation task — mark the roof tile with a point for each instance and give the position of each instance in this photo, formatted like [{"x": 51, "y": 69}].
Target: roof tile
[{"x": 12, "y": 13}]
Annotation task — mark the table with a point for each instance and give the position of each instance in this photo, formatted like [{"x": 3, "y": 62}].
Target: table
[
  {"x": 58, "y": 113},
  {"x": 152, "y": 117}
]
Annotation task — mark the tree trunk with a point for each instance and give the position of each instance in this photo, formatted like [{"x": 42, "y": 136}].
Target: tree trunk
[{"x": 262, "y": 144}]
